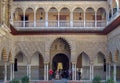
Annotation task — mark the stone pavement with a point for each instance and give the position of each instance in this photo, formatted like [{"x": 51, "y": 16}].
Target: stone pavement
[{"x": 61, "y": 81}]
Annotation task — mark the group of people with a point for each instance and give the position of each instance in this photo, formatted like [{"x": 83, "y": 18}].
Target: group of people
[{"x": 59, "y": 74}]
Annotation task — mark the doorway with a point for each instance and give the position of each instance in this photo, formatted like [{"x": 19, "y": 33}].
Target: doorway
[
  {"x": 60, "y": 66},
  {"x": 60, "y": 61}
]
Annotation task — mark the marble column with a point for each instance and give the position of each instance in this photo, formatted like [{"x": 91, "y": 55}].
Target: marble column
[
  {"x": 95, "y": 18},
  {"x": 47, "y": 70},
  {"x": 90, "y": 73},
  {"x": 72, "y": 71},
  {"x": 34, "y": 18},
  {"x": 10, "y": 11},
  {"x": 11, "y": 72},
  {"x": 107, "y": 18},
  {"x": 5, "y": 72},
  {"x": 29, "y": 73},
  {"x": 3, "y": 11},
  {"x": 114, "y": 73},
  {"x": 75, "y": 71},
  {"x": 46, "y": 19},
  {"x": 71, "y": 19},
  {"x": 24, "y": 19},
  {"x": 27, "y": 69},
  {"x": 45, "y": 74},
  {"x": 12, "y": 18},
  {"x": 58, "y": 19},
  {"x": 109, "y": 71},
  {"x": 84, "y": 19},
  {"x": 118, "y": 6}
]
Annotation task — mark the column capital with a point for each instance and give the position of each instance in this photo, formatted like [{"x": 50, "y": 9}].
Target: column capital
[
  {"x": 108, "y": 62},
  {"x": 74, "y": 62},
  {"x": 91, "y": 62},
  {"x": 46, "y": 62},
  {"x": 71, "y": 12}
]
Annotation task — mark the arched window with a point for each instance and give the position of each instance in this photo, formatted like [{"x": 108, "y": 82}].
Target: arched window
[
  {"x": 18, "y": 17},
  {"x": 53, "y": 17},
  {"x": 40, "y": 17},
  {"x": 90, "y": 17},
  {"x": 29, "y": 18},
  {"x": 101, "y": 17},
  {"x": 78, "y": 17},
  {"x": 64, "y": 17}
]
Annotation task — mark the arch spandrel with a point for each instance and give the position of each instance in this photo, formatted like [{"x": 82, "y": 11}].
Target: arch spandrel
[
  {"x": 53, "y": 8},
  {"x": 75, "y": 7},
  {"x": 60, "y": 45},
  {"x": 15, "y": 9},
  {"x": 64, "y": 7},
  {"x": 51, "y": 40}
]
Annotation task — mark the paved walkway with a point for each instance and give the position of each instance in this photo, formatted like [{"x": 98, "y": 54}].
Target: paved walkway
[{"x": 61, "y": 81}]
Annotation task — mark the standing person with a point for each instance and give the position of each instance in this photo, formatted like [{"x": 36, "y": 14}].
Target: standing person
[
  {"x": 79, "y": 74},
  {"x": 51, "y": 74},
  {"x": 57, "y": 74}
]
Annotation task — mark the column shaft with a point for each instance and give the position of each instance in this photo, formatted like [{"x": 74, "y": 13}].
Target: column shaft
[
  {"x": 58, "y": 19},
  {"x": 95, "y": 19},
  {"x": 90, "y": 73},
  {"x": 47, "y": 71},
  {"x": 3, "y": 12},
  {"x": 114, "y": 72},
  {"x": 109, "y": 71},
  {"x": 29, "y": 72},
  {"x": 107, "y": 18},
  {"x": 11, "y": 72},
  {"x": 75, "y": 72},
  {"x": 84, "y": 19},
  {"x": 34, "y": 18},
  {"x": 71, "y": 19},
  {"x": 118, "y": 6},
  {"x": 5, "y": 72},
  {"x": 72, "y": 71},
  {"x": 24, "y": 19},
  {"x": 12, "y": 18},
  {"x": 46, "y": 19}
]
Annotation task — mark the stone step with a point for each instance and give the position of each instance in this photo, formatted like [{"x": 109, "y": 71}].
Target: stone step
[{"x": 58, "y": 81}]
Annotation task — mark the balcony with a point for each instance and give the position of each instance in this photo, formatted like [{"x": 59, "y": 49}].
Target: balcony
[
  {"x": 59, "y": 25},
  {"x": 52, "y": 20}
]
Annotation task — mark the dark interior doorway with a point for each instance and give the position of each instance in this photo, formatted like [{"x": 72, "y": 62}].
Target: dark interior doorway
[{"x": 60, "y": 58}]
